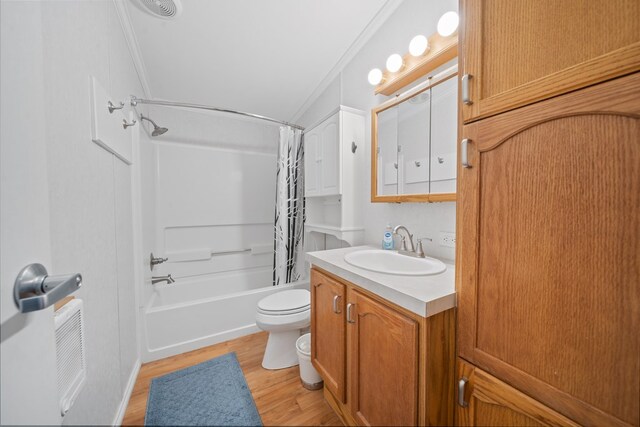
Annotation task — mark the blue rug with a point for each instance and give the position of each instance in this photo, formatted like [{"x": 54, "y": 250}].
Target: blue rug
[{"x": 213, "y": 393}]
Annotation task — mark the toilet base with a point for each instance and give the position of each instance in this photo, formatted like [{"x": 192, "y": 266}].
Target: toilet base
[{"x": 280, "y": 352}]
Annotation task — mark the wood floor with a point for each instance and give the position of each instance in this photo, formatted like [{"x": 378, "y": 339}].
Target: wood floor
[{"x": 279, "y": 396}]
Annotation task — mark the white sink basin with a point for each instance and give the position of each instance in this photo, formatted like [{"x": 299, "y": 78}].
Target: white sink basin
[{"x": 391, "y": 262}]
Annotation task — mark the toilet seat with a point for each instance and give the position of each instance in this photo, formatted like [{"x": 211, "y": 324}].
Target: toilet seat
[{"x": 285, "y": 303}]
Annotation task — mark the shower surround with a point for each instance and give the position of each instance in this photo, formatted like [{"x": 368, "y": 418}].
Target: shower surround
[{"x": 209, "y": 191}]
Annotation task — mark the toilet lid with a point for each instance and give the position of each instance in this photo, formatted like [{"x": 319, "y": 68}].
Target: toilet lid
[{"x": 286, "y": 301}]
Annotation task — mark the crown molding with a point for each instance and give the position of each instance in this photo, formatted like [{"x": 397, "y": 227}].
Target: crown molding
[
  {"x": 372, "y": 27},
  {"x": 132, "y": 43}
]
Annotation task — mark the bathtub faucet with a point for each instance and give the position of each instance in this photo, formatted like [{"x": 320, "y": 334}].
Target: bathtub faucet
[{"x": 157, "y": 279}]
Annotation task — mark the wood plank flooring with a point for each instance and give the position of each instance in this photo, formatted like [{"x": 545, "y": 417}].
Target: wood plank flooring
[{"x": 279, "y": 396}]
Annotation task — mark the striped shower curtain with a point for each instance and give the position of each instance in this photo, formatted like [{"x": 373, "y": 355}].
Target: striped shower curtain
[{"x": 288, "y": 255}]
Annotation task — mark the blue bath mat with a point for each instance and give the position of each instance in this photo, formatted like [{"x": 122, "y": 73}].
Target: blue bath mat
[{"x": 212, "y": 393}]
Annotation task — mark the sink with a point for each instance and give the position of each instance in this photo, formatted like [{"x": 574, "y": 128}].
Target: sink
[{"x": 391, "y": 262}]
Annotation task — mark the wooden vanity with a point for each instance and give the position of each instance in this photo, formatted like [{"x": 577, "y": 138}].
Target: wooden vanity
[{"x": 382, "y": 363}]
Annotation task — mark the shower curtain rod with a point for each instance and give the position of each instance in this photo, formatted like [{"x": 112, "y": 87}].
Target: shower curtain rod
[{"x": 135, "y": 101}]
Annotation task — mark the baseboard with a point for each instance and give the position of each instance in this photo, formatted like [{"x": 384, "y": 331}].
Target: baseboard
[
  {"x": 127, "y": 394},
  {"x": 183, "y": 347}
]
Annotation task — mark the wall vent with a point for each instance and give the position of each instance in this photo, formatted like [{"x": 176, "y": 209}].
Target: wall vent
[{"x": 70, "y": 353}]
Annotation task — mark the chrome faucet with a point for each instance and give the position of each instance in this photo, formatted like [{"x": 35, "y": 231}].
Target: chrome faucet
[
  {"x": 418, "y": 251},
  {"x": 157, "y": 279},
  {"x": 403, "y": 247}
]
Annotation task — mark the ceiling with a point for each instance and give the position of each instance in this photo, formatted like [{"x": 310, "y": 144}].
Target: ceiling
[{"x": 258, "y": 56}]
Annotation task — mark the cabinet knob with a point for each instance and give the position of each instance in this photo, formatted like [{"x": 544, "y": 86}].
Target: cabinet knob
[{"x": 336, "y": 308}]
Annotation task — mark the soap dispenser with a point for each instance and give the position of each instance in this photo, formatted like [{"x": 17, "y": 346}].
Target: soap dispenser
[{"x": 387, "y": 239}]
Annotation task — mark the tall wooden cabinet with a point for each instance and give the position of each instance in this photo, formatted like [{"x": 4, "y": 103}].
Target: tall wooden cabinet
[{"x": 548, "y": 265}]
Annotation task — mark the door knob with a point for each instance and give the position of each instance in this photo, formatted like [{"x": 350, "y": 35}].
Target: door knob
[{"x": 34, "y": 289}]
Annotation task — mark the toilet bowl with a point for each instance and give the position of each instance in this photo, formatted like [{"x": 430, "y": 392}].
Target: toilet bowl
[{"x": 284, "y": 315}]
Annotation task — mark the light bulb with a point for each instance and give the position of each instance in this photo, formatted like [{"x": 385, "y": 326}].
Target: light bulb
[
  {"x": 394, "y": 62},
  {"x": 419, "y": 45},
  {"x": 448, "y": 24},
  {"x": 375, "y": 77}
]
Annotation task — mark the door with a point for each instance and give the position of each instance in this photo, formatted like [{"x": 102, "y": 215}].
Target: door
[
  {"x": 328, "y": 332},
  {"x": 520, "y": 52},
  {"x": 330, "y": 148},
  {"x": 27, "y": 347},
  {"x": 383, "y": 362},
  {"x": 549, "y": 263},
  {"x": 484, "y": 400},
  {"x": 311, "y": 163}
]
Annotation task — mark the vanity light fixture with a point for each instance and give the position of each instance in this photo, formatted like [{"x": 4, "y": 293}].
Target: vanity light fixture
[
  {"x": 375, "y": 77},
  {"x": 394, "y": 63},
  {"x": 448, "y": 24},
  {"x": 425, "y": 55},
  {"x": 418, "y": 45}
]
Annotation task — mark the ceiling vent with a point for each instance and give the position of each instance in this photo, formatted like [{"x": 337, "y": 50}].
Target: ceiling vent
[{"x": 166, "y": 9}]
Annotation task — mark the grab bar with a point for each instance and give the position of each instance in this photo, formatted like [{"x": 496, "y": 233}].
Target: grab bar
[{"x": 239, "y": 251}]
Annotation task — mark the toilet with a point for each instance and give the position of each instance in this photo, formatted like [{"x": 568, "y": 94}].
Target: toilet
[{"x": 284, "y": 315}]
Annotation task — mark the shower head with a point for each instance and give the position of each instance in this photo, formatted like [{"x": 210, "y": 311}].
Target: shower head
[
  {"x": 165, "y": 9},
  {"x": 157, "y": 130}
]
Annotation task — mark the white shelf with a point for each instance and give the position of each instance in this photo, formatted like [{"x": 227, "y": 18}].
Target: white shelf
[{"x": 353, "y": 236}]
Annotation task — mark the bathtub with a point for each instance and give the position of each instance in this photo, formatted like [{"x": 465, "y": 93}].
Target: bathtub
[{"x": 197, "y": 312}]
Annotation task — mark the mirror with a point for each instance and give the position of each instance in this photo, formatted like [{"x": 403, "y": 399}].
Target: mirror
[{"x": 414, "y": 141}]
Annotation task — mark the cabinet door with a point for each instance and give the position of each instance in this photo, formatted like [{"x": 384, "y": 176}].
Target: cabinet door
[
  {"x": 383, "y": 362},
  {"x": 549, "y": 260},
  {"x": 311, "y": 161},
  {"x": 483, "y": 400},
  {"x": 328, "y": 332},
  {"x": 520, "y": 52},
  {"x": 330, "y": 164}
]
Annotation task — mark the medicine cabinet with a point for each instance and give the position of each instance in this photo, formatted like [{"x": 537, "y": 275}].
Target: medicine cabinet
[{"x": 414, "y": 150}]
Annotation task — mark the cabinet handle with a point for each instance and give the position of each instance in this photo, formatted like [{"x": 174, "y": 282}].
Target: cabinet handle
[
  {"x": 461, "y": 386},
  {"x": 336, "y": 309},
  {"x": 466, "y": 98},
  {"x": 349, "y": 306},
  {"x": 464, "y": 154}
]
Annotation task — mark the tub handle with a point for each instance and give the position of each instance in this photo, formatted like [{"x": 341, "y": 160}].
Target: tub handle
[{"x": 336, "y": 309}]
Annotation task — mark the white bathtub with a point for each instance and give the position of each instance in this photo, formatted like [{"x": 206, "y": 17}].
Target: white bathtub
[{"x": 194, "y": 313}]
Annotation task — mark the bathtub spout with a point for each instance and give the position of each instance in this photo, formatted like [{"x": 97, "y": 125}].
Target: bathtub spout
[{"x": 157, "y": 279}]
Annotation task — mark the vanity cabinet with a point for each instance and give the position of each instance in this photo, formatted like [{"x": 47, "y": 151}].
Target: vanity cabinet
[
  {"x": 548, "y": 264},
  {"x": 383, "y": 351},
  {"x": 328, "y": 332},
  {"x": 382, "y": 365},
  {"x": 487, "y": 401},
  {"x": 515, "y": 53}
]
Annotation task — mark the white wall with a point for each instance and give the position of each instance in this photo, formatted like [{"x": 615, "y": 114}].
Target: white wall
[
  {"x": 352, "y": 89},
  {"x": 90, "y": 199}
]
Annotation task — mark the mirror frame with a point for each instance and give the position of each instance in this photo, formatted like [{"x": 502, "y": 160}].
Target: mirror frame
[{"x": 445, "y": 75}]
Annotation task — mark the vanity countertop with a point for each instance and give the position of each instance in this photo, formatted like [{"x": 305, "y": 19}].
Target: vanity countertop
[{"x": 423, "y": 295}]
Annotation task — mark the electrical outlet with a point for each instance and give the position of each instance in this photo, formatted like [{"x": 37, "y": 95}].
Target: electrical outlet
[{"x": 448, "y": 239}]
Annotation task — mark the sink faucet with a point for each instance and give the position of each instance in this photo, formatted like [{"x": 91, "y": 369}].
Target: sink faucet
[
  {"x": 403, "y": 248},
  {"x": 417, "y": 252},
  {"x": 157, "y": 279}
]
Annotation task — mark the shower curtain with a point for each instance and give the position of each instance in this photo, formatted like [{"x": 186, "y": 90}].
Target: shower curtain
[{"x": 288, "y": 255}]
